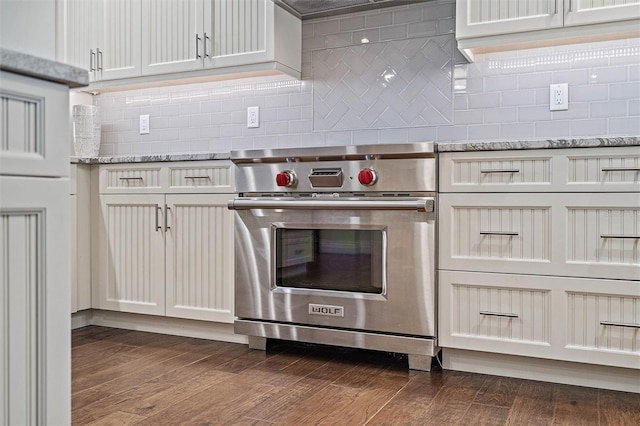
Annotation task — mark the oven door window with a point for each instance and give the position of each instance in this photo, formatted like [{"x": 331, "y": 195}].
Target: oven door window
[{"x": 349, "y": 260}]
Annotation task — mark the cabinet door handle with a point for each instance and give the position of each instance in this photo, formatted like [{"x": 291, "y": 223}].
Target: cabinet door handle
[
  {"x": 625, "y": 237},
  {"x": 197, "y": 177},
  {"x": 501, "y": 233},
  {"x": 206, "y": 37},
  {"x": 499, "y": 171},
  {"x": 621, "y": 169},
  {"x": 198, "y": 47},
  {"x": 92, "y": 57},
  {"x": 619, "y": 324},
  {"x": 167, "y": 209},
  {"x": 99, "y": 59},
  {"x": 555, "y": 10},
  {"x": 499, "y": 314},
  {"x": 570, "y": 6},
  {"x": 158, "y": 227}
]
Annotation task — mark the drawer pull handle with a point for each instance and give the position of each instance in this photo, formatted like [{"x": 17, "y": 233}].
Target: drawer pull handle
[
  {"x": 499, "y": 171},
  {"x": 626, "y": 237},
  {"x": 197, "y": 177},
  {"x": 621, "y": 169},
  {"x": 501, "y": 233},
  {"x": 619, "y": 324},
  {"x": 131, "y": 178},
  {"x": 499, "y": 314}
]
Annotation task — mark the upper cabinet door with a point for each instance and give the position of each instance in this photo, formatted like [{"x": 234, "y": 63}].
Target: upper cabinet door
[
  {"x": 581, "y": 12},
  {"x": 477, "y": 18},
  {"x": 238, "y": 32},
  {"x": 119, "y": 39},
  {"x": 172, "y": 36},
  {"x": 80, "y": 34}
]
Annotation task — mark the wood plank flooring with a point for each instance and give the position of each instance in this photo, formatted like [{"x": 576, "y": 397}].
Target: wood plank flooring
[{"x": 123, "y": 377}]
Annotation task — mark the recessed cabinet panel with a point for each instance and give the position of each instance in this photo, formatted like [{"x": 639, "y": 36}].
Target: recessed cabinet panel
[
  {"x": 130, "y": 179},
  {"x": 604, "y": 170},
  {"x": 603, "y": 322},
  {"x": 118, "y": 47},
  {"x": 200, "y": 257},
  {"x": 172, "y": 36},
  {"x": 507, "y": 171},
  {"x": 582, "y": 12},
  {"x": 131, "y": 254},
  {"x": 510, "y": 232},
  {"x": 606, "y": 235},
  {"x": 210, "y": 178},
  {"x": 501, "y": 313}
]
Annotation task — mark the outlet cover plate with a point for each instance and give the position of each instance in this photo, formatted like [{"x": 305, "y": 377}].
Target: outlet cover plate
[
  {"x": 559, "y": 97},
  {"x": 253, "y": 117},
  {"x": 144, "y": 124}
]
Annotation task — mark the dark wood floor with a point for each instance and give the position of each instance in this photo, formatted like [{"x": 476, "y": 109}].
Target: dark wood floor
[{"x": 125, "y": 377}]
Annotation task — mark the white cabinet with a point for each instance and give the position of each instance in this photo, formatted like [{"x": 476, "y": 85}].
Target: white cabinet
[
  {"x": 34, "y": 252},
  {"x": 165, "y": 240},
  {"x": 216, "y": 34},
  {"x": 489, "y": 25},
  {"x": 80, "y": 232},
  {"x": 104, "y": 37},
  {"x": 539, "y": 254}
]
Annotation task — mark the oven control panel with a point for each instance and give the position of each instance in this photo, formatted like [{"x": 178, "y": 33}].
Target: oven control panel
[
  {"x": 286, "y": 178},
  {"x": 326, "y": 178}
]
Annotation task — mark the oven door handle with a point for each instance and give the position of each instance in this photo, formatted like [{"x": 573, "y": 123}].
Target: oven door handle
[{"x": 420, "y": 204}]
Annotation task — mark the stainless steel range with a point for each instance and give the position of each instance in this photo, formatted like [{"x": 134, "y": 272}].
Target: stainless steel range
[{"x": 336, "y": 246}]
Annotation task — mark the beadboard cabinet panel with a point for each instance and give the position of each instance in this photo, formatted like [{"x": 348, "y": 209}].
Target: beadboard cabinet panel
[
  {"x": 172, "y": 36},
  {"x": 34, "y": 301},
  {"x": 33, "y": 127},
  {"x": 582, "y": 12},
  {"x": 130, "y": 258},
  {"x": 119, "y": 39},
  {"x": 200, "y": 257}
]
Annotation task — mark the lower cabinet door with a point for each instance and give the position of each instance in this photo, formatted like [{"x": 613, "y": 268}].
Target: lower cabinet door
[
  {"x": 130, "y": 262},
  {"x": 200, "y": 257},
  {"x": 35, "y": 355},
  {"x": 572, "y": 319}
]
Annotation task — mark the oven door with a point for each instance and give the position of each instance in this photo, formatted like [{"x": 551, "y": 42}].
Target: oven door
[{"x": 348, "y": 263}]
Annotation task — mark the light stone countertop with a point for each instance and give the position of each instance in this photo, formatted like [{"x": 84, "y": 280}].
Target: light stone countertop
[
  {"x": 44, "y": 69},
  {"x": 151, "y": 158},
  {"x": 538, "y": 144},
  {"x": 441, "y": 147}
]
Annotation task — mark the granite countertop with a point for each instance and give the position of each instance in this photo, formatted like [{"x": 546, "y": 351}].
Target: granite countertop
[
  {"x": 441, "y": 147},
  {"x": 538, "y": 144},
  {"x": 44, "y": 69},
  {"x": 150, "y": 158}
]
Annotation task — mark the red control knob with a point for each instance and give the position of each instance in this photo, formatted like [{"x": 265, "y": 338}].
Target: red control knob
[
  {"x": 286, "y": 178},
  {"x": 367, "y": 177}
]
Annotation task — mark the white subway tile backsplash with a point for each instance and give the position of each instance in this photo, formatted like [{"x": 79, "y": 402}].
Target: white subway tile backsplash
[{"x": 388, "y": 76}]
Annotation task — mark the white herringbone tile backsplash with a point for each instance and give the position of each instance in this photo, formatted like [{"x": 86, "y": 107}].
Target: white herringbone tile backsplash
[{"x": 388, "y": 76}]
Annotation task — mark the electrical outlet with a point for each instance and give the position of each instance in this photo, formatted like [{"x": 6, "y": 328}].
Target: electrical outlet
[
  {"x": 144, "y": 124},
  {"x": 559, "y": 97},
  {"x": 253, "y": 117}
]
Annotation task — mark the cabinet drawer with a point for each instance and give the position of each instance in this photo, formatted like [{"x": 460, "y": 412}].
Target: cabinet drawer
[
  {"x": 541, "y": 234},
  {"x": 545, "y": 170},
  {"x": 495, "y": 312},
  {"x": 506, "y": 172},
  {"x": 603, "y": 322},
  {"x": 572, "y": 319},
  {"x": 206, "y": 177},
  {"x": 611, "y": 169},
  {"x": 128, "y": 178}
]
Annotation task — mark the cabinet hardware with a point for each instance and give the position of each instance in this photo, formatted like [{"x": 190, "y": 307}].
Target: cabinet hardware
[
  {"x": 555, "y": 10},
  {"x": 621, "y": 169},
  {"x": 99, "y": 59},
  {"x": 619, "y": 324},
  {"x": 197, "y": 177},
  {"x": 158, "y": 227},
  {"x": 625, "y": 237},
  {"x": 197, "y": 47},
  {"x": 131, "y": 178},
  {"x": 502, "y": 233},
  {"x": 206, "y": 55},
  {"x": 570, "y": 6},
  {"x": 499, "y": 171},
  {"x": 167, "y": 209},
  {"x": 92, "y": 56},
  {"x": 499, "y": 314}
]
